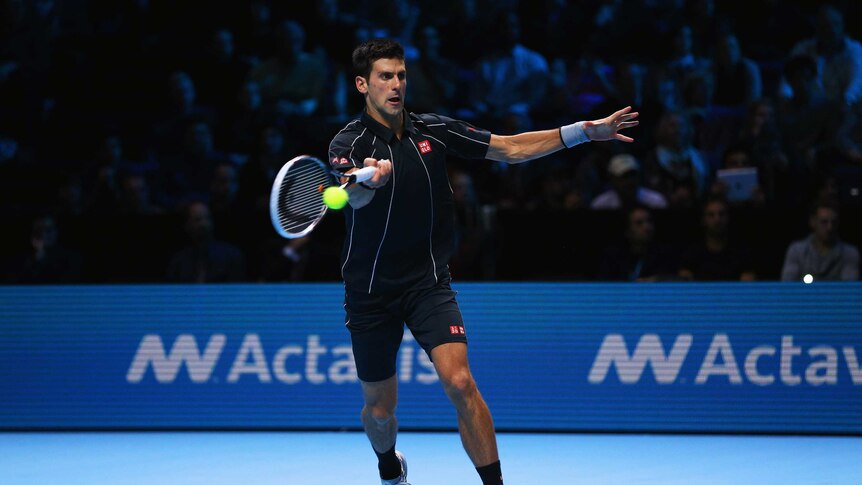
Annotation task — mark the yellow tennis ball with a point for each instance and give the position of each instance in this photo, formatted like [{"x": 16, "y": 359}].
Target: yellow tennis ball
[{"x": 335, "y": 197}]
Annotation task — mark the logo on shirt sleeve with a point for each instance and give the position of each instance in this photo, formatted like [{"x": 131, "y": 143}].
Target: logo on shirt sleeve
[
  {"x": 424, "y": 146},
  {"x": 456, "y": 329},
  {"x": 340, "y": 161}
]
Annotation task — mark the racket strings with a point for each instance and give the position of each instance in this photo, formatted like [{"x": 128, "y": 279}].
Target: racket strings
[{"x": 300, "y": 201}]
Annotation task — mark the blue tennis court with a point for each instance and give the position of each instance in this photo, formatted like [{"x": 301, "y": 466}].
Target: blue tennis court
[{"x": 434, "y": 458}]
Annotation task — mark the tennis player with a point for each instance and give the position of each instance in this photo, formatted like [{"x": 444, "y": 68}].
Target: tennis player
[{"x": 399, "y": 240}]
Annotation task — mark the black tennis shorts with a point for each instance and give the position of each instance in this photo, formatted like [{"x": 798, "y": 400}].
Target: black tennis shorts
[{"x": 376, "y": 324}]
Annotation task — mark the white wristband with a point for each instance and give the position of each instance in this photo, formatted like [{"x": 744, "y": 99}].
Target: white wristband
[{"x": 574, "y": 134}]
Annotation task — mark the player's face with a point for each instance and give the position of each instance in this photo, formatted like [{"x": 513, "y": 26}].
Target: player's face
[{"x": 384, "y": 90}]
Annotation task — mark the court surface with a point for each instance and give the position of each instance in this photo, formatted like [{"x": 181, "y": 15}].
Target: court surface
[{"x": 434, "y": 458}]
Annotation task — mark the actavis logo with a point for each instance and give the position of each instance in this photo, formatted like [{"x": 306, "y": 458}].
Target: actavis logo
[
  {"x": 760, "y": 365},
  {"x": 313, "y": 362}
]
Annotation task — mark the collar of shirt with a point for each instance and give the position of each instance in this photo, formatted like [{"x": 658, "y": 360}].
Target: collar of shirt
[
  {"x": 383, "y": 132},
  {"x": 831, "y": 252}
]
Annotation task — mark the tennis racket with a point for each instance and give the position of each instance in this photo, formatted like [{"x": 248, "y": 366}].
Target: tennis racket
[{"x": 296, "y": 201}]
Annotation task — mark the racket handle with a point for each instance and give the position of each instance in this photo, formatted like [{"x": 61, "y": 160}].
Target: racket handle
[{"x": 363, "y": 174}]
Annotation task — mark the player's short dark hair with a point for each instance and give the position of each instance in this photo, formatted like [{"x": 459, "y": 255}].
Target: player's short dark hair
[{"x": 371, "y": 50}]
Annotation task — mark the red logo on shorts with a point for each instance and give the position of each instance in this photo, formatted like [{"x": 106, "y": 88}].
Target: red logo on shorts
[
  {"x": 456, "y": 329},
  {"x": 424, "y": 146}
]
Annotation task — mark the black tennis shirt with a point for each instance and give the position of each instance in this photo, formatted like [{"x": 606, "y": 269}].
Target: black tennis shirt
[{"x": 403, "y": 239}]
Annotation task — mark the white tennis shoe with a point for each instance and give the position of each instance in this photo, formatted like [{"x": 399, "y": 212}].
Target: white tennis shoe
[{"x": 402, "y": 480}]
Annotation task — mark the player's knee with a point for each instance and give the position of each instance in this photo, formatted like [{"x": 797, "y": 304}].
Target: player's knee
[
  {"x": 380, "y": 414},
  {"x": 460, "y": 384}
]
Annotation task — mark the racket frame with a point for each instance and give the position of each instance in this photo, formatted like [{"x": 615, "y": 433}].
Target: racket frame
[{"x": 357, "y": 176}]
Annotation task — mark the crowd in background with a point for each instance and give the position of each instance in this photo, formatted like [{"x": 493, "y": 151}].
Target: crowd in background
[{"x": 184, "y": 110}]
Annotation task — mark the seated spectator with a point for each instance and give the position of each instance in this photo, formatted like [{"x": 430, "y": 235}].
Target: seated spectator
[
  {"x": 737, "y": 79},
  {"x": 291, "y": 81},
  {"x": 670, "y": 76},
  {"x": 433, "y": 78},
  {"x": 838, "y": 58},
  {"x": 474, "y": 251},
  {"x": 45, "y": 261},
  {"x": 626, "y": 190},
  {"x": 135, "y": 196},
  {"x": 738, "y": 157},
  {"x": 328, "y": 17},
  {"x": 640, "y": 257},
  {"x": 808, "y": 125},
  {"x": 284, "y": 260},
  {"x": 220, "y": 71},
  {"x": 102, "y": 183},
  {"x": 849, "y": 136},
  {"x": 822, "y": 254},
  {"x": 186, "y": 173},
  {"x": 224, "y": 188},
  {"x": 169, "y": 129},
  {"x": 674, "y": 167},
  {"x": 248, "y": 118},
  {"x": 205, "y": 260},
  {"x": 762, "y": 137},
  {"x": 398, "y": 20},
  {"x": 510, "y": 81},
  {"x": 255, "y": 177},
  {"x": 716, "y": 257}
]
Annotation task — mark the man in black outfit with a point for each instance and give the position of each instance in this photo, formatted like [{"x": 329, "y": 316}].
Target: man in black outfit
[{"x": 399, "y": 239}]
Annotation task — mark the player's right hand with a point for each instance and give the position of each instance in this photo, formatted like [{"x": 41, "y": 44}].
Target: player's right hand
[{"x": 384, "y": 171}]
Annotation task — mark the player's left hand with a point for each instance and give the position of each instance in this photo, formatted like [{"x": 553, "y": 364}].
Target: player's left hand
[{"x": 609, "y": 128}]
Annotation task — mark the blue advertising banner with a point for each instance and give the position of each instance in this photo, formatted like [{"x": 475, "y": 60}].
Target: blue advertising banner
[{"x": 760, "y": 357}]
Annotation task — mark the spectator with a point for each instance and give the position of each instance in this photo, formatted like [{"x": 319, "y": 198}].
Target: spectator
[
  {"x": 255, "y": 33},
  {"x": 822, "y": 254},
  {"x": 838, "y": 58},
  {"x": 626, "y": 190},
  {"x": 808, "y": 125},
  {"x": 474, "y": 253},
  {"x": 45, "y": 261},
  {"x": 716, "y": 257},
  {"x": 205, "y": 260},
  {"x": 220, "y": 71},
  {"x": 224, "y": 187},
  {"x": 737, "y": 79},
  {"x": 255, "y": 177},
  {"x": 462, "y": 23},
  {"x": 849, "y": 137},
  {"x": 135, "y": 196},
  {"x": 674, "y": 167},
  {"x": 433, "y": 79},
  {"x": 185, "y": 174},
  {"x": 291, "y": 81},
  {"x": 510, "y": 81},
  {"x": 640, "y": 257},
  {"x": 103, "y": 184},
  {"x": 329, "y": 17},
  {"x": 398, "y": 21},
  {"x": 249, "y": 119},
  {"x": 184, "y": 108},
  {"x": 284, "y": 260},
  {"x": 684, "y": 62},
  {"x": 738, "y": 157},
  {"x": 761, "y": 135}
]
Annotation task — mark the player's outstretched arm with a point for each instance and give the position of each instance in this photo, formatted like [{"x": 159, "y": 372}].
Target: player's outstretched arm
[
  {"x": 609, "y": 128},
  {"x": 528, "y": 146}
]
